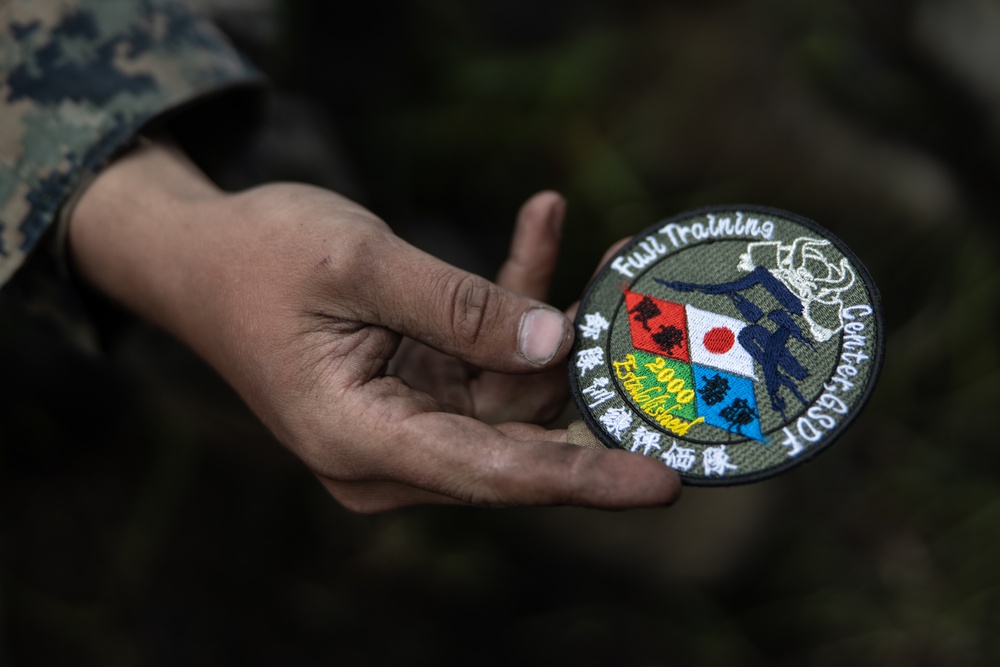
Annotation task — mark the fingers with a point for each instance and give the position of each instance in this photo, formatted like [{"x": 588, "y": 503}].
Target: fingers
[
  {"x": 439, "y": 375},
  {"x": 463, "y": 459},
  {"x": 370, "y": 497},
  {"x": 535, "y": 246},
  {"x": 609, "y": 253},
  {"x": 461, "y": 314},
  {"x": 390, "y": 453},
  {"x": 538, "y": 398},
  {"x": 528, "y": 271},
  {"x": 599, "y": 484},
  {"x": 605, "y": 258},
  {"x": 572, "y": 310},
  {"x": 522, "y": 431}
]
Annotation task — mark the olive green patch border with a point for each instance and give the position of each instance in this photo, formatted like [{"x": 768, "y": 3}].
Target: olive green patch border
[{"x": 855, "y": 400}]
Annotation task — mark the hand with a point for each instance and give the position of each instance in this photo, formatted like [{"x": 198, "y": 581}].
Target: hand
[
  {"x": 493, "y": 397},
  {"x": 301, "y": 300}
]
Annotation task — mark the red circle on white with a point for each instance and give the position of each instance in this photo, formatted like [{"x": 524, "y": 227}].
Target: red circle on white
[{"x": 719, "y": 340}]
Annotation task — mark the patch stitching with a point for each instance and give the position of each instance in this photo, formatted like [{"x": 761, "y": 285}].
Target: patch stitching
[{"x": 783, "y": 257}]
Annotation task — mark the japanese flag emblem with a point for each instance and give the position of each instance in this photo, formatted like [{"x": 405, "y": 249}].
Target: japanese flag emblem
[{"x": 714, "y": 340}]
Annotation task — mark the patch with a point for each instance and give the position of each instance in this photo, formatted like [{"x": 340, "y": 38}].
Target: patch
[{"x": 730, "y": 343}]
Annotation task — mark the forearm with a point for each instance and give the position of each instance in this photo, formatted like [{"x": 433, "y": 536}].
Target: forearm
[{"x": 81, "y": 77}]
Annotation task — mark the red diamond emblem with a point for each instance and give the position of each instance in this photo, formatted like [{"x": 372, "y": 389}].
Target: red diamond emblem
[{"x": 657, "y": 326}]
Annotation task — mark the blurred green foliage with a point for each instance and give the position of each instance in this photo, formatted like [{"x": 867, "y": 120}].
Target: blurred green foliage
[{"x": 145, "y": 518}]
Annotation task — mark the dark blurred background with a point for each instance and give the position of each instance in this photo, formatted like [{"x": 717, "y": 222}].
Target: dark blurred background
[{"x": 147, "y": 519}]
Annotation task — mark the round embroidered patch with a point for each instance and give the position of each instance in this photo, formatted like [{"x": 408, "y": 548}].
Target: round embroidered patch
[{"x": 732, "y": 343}]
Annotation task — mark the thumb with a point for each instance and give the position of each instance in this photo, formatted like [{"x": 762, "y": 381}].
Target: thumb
[{"x": 467, "y": 316}]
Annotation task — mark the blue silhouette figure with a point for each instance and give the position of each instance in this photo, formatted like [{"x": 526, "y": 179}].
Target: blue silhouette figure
[{"x": 769, "y": 349}]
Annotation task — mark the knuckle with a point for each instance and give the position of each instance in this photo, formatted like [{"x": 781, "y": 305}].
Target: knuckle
[
  {"x": 348, "y": 258},
  {"x": 478, "y": 493},
  {"x": 492, "y": 484},
  {"x": 473, "y": 304}
]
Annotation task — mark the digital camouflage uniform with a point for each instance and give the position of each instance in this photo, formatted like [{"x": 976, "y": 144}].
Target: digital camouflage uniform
[{"x": 81, "y": 79}]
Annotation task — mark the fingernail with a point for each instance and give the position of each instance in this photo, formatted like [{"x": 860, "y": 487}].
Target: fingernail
[{"x": 541, "y": 334}]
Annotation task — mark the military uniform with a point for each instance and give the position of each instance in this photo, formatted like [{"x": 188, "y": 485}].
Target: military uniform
[{"x": 81, "y": 80}]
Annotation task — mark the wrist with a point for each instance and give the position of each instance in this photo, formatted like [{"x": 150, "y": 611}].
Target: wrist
[{"x": 128, "y": 230}]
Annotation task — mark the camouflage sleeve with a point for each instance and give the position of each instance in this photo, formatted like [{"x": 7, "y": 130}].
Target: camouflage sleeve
[{"x": 81, "y": 78}]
